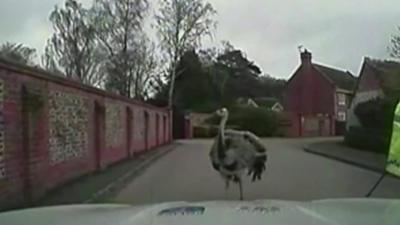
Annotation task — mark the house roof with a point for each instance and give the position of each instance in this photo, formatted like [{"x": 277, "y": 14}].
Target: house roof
[
  {"x": 267, "y": 102},
  {"x": 342, "y": 79},
  {"x": 383, "y": 65},
  {"x": 246, "y": 101},
  {"x": 387, "y": 71}
]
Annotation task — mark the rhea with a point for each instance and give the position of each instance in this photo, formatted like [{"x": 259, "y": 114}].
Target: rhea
[{"x": 236, "y": 152}]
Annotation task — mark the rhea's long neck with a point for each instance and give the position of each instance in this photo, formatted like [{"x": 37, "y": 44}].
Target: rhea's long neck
[
  {"x": 222, "y": 126},
  {"x": 221, "y": 138}
]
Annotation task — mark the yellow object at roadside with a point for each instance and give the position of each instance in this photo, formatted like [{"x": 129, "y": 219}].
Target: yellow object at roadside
[{"x": 393, "y": 163}]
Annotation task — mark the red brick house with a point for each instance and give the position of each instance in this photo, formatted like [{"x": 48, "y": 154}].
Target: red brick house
[
  {"x": 316, "y": 99},
  {"x": 377, "y": 79}
]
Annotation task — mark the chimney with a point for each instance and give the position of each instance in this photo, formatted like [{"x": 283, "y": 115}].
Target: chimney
[{"x": 306, "y": 57}]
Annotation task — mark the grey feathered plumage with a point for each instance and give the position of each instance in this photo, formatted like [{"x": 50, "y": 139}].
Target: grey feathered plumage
[
  {"x": 234, "y": 152},
  {"x": 242, "y": 149}
]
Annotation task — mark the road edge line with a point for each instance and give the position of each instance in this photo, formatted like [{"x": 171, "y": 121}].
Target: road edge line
[
  {"x": 122, "y": 179},
  {"x": 346, "y": 161}
]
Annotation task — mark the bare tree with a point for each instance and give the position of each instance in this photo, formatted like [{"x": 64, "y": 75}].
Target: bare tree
[
  {"x": 394, "y": 49},
  {"x": 119, "y": 30},
  {"x": 181, "y": 25},
  {"x": 72, "y": 49},
  {"x": 145, "y": 72},
  {"x": 18, "y": 53}
]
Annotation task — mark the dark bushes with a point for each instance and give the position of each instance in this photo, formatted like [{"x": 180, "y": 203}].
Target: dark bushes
[{"x": 260, "y": 121}]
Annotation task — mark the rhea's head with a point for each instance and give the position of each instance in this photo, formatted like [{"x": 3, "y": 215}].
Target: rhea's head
[{"x": 222, "y": 112}]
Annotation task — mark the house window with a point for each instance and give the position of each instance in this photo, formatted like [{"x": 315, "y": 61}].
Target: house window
[
  {"x": 342, "y": 116},
  {"x": 341, "y": 99}
]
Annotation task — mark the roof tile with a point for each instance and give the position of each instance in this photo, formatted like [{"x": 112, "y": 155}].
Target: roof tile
[{"x": 342, "y": 79}]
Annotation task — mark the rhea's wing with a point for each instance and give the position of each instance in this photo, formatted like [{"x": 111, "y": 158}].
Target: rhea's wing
[{"x": 249, "y": 149}]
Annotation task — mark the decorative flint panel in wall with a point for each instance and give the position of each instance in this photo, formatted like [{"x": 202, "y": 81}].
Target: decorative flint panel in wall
[{"x": 68, "y": 126}]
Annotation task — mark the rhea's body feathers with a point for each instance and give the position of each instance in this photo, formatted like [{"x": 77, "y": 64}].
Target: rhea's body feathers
[{"x": 242, "y": 150}]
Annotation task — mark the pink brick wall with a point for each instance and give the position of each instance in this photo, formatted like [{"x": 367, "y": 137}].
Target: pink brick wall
[{"x": 41, "y": 139}]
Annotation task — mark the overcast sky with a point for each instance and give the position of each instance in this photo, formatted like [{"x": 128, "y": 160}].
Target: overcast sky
[{"x": 338, "y": 33}]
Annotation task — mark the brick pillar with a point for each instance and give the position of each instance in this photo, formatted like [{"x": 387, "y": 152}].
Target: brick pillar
[{"x": 170, "y": 127}]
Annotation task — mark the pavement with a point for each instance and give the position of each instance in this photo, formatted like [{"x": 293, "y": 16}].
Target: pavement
[
  {"x": 335, "y": 149},
  {"x": 97, "y": 187},
  {"x": 186, "y": 174}
]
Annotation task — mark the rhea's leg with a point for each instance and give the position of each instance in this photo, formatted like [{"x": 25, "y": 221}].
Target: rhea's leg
[
  {"x": 226, "y": 184},
  {"x": 240, "y": 189}
]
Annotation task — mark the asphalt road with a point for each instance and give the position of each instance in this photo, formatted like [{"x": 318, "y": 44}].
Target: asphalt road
[{"x": 185, "y": 174}]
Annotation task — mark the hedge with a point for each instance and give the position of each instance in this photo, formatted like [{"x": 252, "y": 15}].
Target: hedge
[
  {"x": 376, "y": 118},
  {"x": 205, "y": 132},
  {"x": 260, "y": 121},
  {"x": 210, "y": 131},
  {"x": 376, "y": 113},
  {"x": 368, "y": 139}
]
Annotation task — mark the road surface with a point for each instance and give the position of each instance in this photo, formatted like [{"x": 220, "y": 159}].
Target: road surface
[{"x": 185, "y": 174}]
